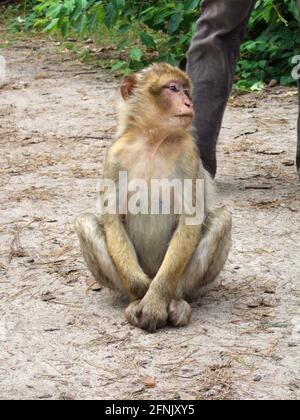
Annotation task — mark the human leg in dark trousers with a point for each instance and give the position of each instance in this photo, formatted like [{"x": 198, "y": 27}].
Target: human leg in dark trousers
[{"x": 212, "y": 60}]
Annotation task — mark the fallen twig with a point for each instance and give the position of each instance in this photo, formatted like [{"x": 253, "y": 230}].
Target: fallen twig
[
  {"x": 259, "y": 187},
  {"x": 85, "y": 73}
]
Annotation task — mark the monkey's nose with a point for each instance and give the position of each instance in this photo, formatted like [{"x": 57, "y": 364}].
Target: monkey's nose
[{"x": 188, "y": 103}]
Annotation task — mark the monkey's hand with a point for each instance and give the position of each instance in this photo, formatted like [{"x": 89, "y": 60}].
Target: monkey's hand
[
  {"x": 139, "y": 284},
  {"x": 180, "y": 313},
  {"x": 150, "y": 314}
]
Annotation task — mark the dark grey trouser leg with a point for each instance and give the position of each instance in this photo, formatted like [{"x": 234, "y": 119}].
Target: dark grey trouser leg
[
  {"x": 212, "y": 59},
  {"x": 298, "y": 142}
]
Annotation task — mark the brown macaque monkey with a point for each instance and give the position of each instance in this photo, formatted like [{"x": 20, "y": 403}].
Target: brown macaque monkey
[{"x": 158, "y": 260}]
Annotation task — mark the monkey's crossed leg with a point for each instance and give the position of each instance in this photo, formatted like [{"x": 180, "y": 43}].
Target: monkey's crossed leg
[{"x": 205, "y": 265}]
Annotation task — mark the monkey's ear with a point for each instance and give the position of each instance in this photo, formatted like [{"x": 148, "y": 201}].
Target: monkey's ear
[{"x": 128, "y": 85}]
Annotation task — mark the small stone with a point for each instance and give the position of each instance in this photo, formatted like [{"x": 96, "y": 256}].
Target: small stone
[
  {"x": 47, "y": 296},
  {"x": 150, "y": 382},
  {"x": 65, "y": 396},
  {"x": 257, "y": 378},
  {"x": 86, "y": 384},
  {"x": 254, "y": 303},
  {"x": 216, "y": 390},
  {"x": 42, "y": 75},
  {"x": 273, "y": 83},
  {"x": 270, "y": 302},
  {"x": 20, "y": 85},
  {"x": 93, "y": 285},
  {"x": 211, "y": 393}
]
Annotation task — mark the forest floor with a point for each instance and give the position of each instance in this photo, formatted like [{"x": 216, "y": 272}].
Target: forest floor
[{"x": 59, "y": 339}]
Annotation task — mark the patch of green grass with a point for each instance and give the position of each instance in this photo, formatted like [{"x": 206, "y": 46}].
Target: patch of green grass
[{"x": 266, "y": 325}]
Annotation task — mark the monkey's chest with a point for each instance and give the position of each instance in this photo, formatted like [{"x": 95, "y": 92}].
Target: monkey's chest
[
  {"x": 152, "y": 215},
  {"x": 150, "y": 236}
]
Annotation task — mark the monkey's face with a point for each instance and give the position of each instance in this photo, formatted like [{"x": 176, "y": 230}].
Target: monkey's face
[
  {"x": 175, "y": 102},
  {"x": 159, "y": 97}
]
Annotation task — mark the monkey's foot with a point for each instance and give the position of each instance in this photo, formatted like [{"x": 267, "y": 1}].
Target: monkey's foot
[
  {"x": 180, "y": 313},
  {"x": 149, "y": 317}
]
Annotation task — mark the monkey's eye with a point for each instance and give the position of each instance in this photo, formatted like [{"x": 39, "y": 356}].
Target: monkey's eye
[{"x": 173, "y": 88}]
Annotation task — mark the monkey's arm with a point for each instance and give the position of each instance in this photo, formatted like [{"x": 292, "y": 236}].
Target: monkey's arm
[
  {"x": 119, "y": 245},
  {"x": 124, "y": 257},
  {"x": 182, "y": 246},
  {"x": 185, "y": 239}
]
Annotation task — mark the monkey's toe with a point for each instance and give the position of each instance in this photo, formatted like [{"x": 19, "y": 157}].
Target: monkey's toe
[{"x": 180, "y": 313}]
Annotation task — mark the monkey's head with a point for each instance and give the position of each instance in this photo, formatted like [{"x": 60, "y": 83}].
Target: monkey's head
[{"x": 158, "y": 97}]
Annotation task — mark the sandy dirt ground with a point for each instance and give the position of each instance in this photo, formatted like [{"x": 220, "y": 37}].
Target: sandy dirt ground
[{"x": 60, "y": 340}]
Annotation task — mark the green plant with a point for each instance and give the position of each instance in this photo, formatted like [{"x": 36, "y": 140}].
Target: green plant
[
  {"x": 272, "y": 41},
  {"x": 139, "y": 26}
]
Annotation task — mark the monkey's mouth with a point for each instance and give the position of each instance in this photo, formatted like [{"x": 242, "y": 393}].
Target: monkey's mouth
[
  {"x": 188, "y": 115},
  {"x": 184, "y": 119}
]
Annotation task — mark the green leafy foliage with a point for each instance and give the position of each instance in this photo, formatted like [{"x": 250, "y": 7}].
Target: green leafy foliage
[
  {"x": 147, "y": 31},
  {"x": 272, "y": 42}
]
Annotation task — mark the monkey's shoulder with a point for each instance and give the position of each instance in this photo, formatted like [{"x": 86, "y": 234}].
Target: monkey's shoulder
[
  {"x": 121, "y": 149},
  {"x": 189, "y": 163}
]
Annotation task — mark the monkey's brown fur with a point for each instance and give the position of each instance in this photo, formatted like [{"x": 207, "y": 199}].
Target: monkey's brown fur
[{"x": 158, "y": 261}]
